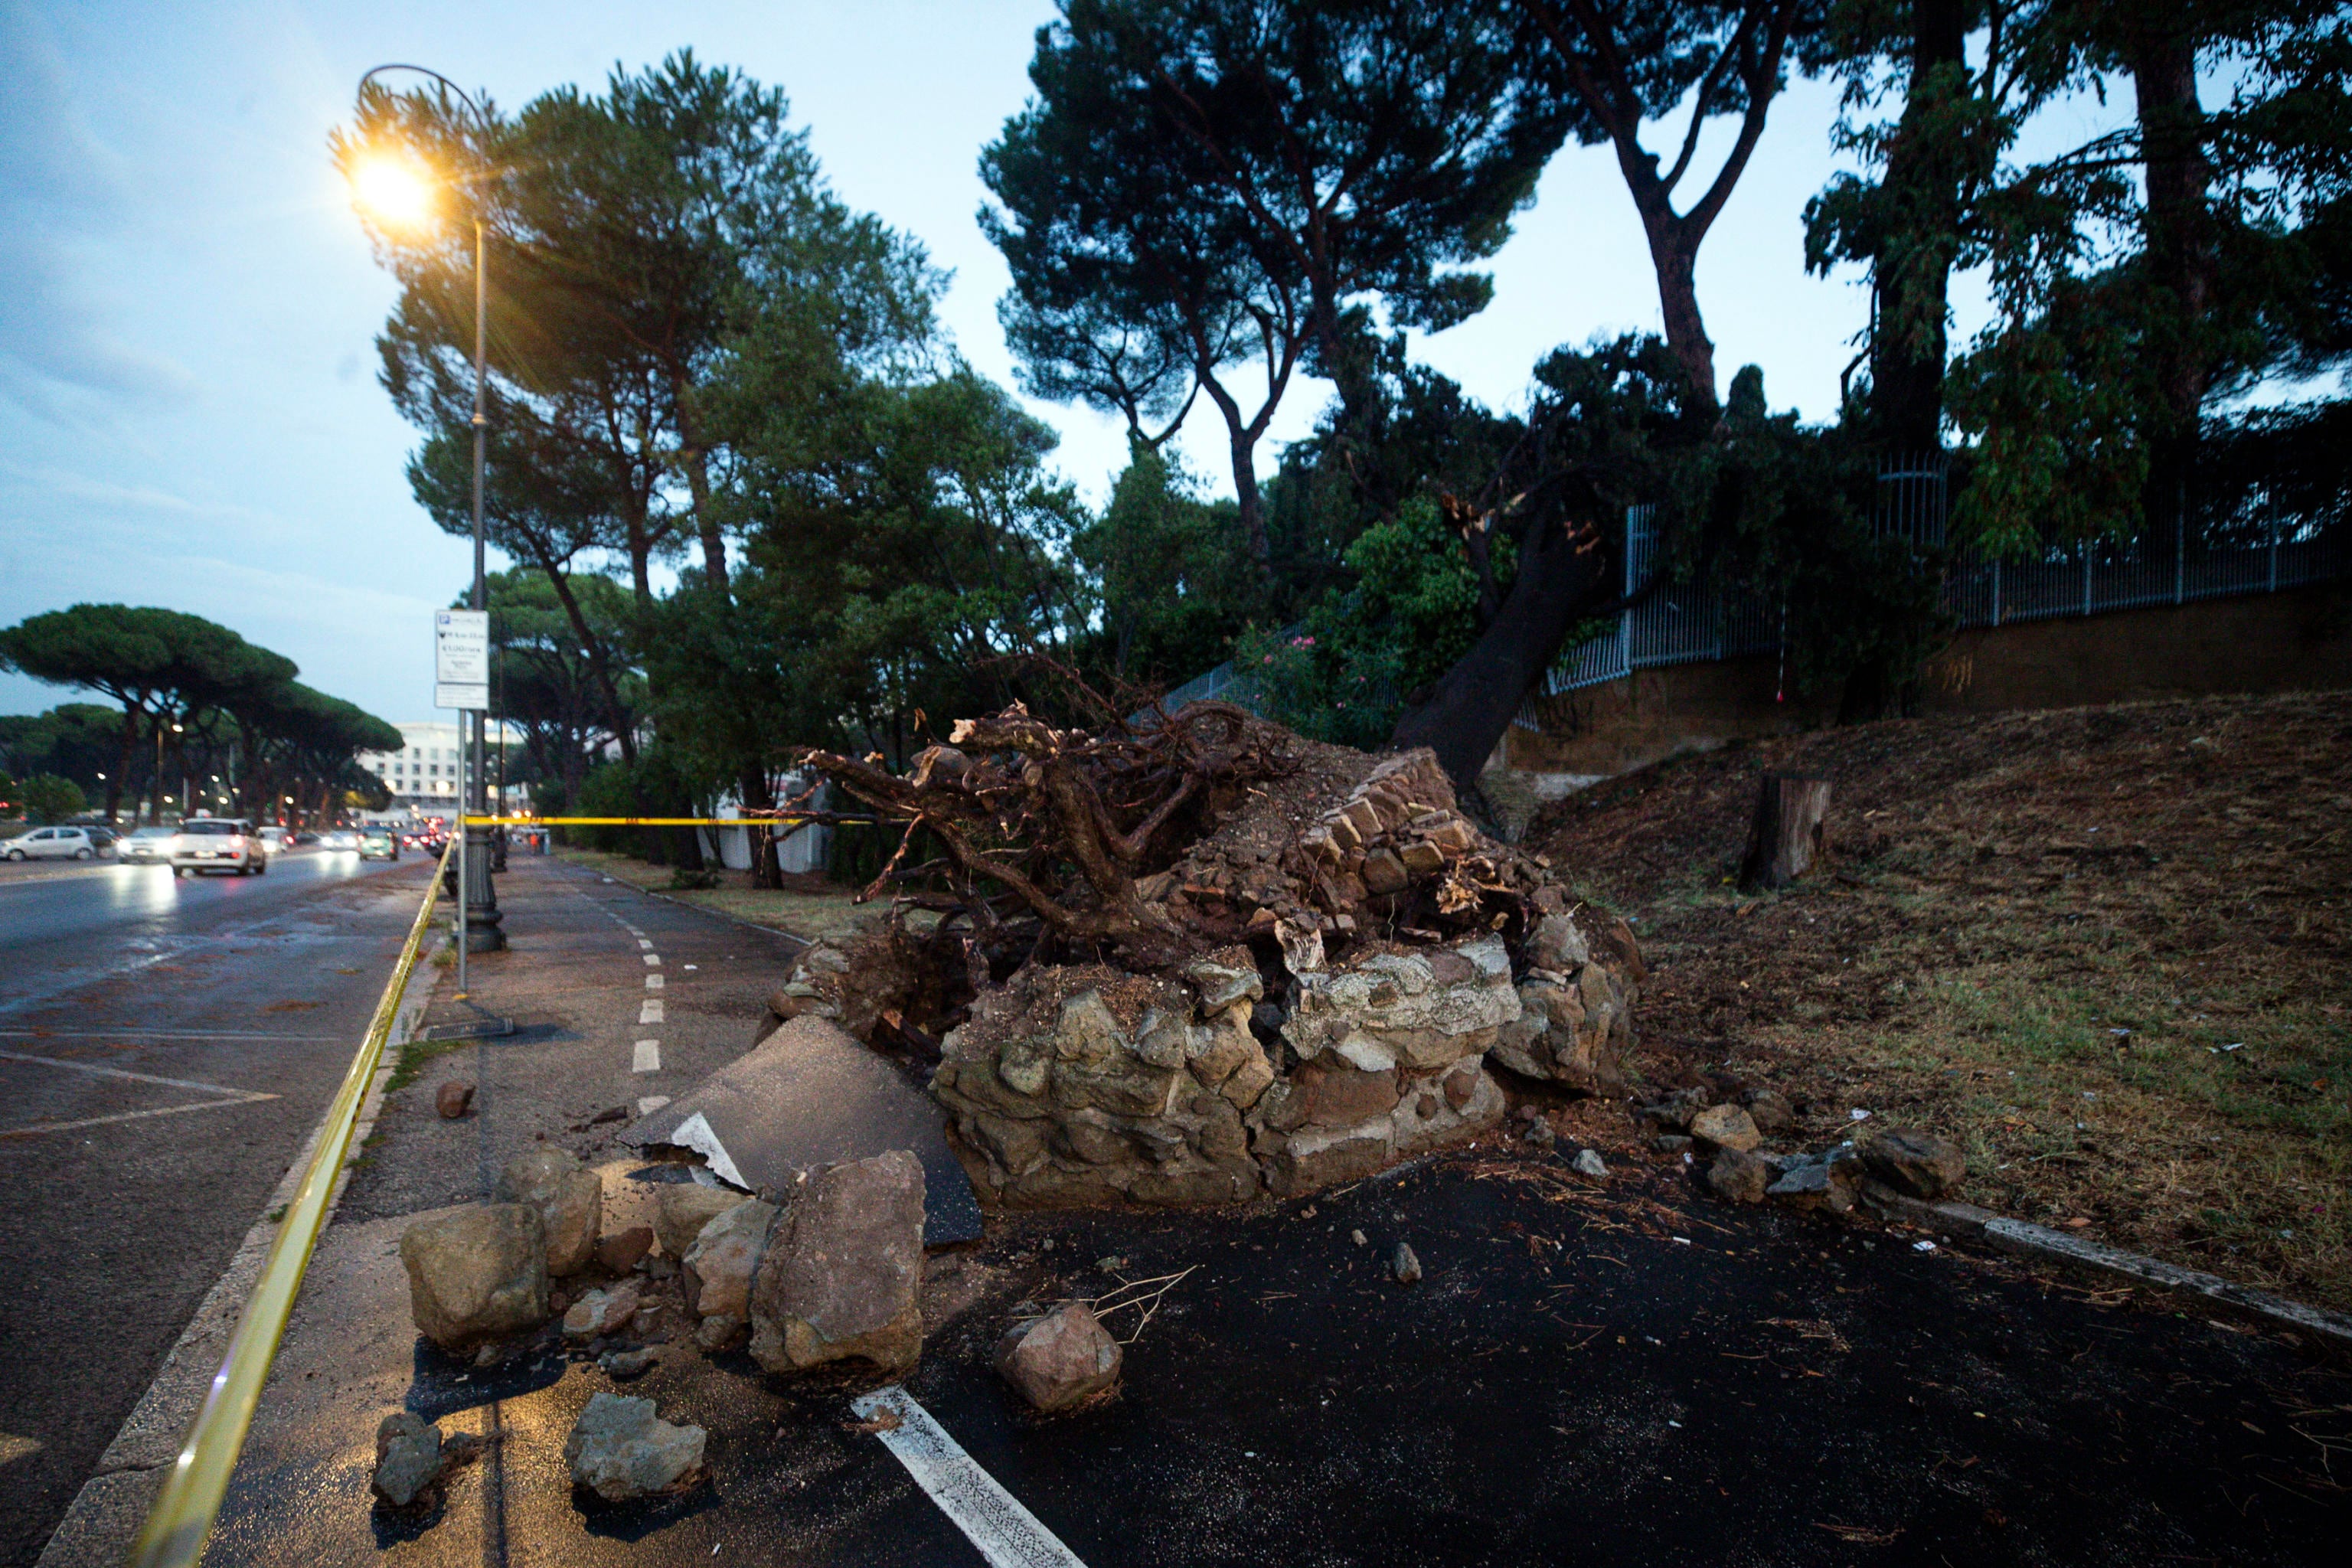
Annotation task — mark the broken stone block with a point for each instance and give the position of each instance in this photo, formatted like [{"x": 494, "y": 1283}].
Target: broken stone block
[
  {"x": 1314, "y": 1158},
  {"x": 1557, "y": 945},
  {"x": 1726, "y": 1127},
  {"x": 1827, "y": 1180},
  {"x": 1384, "y": 872},
  {"x": 1059, "y": 1360},
  {"x": 621, "y": 1449},
  {"x": 843, "y": 1271},
  {"x": 624, "y": 1365},
  {"x": 1249, "y": 1082},
  {"x": 1590, "y": 1164},
  {"x": 683, "y": 1208},
  {"x": 1770, "y": 1111},
  {"x": 1737, "y": 1177},
  {"x": 1406, "y": 1264},
  {"x": 619, "y": 1252},
  {"x": 453, "y": 1099},
  {"x": 1337, "y": 1095},
  {"x": 724, "y": 1259},
  {"x": 569, "y": 1197},
  {"x": 407, "y": 1457},
  {"x": 1919, "y": 1164},
  {"x": 478, "y": 1274},
  {"x": 1221, "y": 985},
  {"x": 601, "y": 1311},
  {"x": 718, "y": 1332}
]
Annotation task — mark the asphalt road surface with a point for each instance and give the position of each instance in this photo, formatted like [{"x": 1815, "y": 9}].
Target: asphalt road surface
[{"x": 166, "y": 1047}]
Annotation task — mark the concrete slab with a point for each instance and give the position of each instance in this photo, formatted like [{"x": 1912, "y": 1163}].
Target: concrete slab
[{"x": 809, "y": 1095}]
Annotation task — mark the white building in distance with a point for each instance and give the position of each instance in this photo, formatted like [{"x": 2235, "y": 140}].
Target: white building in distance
[{"x": 423, "y": 775}]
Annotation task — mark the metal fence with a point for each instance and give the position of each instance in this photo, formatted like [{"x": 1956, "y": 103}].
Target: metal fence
[
  {"x": 2255, "y": 550},
  {"x": 2257, "y": 553}
]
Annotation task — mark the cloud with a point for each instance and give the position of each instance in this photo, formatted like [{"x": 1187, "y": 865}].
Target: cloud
[
  {"x": 63, "y": 195},
  {"x": 57, "y": 484}
]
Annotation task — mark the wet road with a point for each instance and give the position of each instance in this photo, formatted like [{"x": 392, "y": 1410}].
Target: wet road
[{"x": 165, "y": 1048}]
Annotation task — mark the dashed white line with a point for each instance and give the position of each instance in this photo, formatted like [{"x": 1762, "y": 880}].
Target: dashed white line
[
  {"x": 649, "y": 1011},
  {"x": 653, "y": 981},
  {"x": 649, "y": 1104},
  {"x": 644, "y": 943},
  {"x": 647, "y": 1057},
  {"x": 993, "y": 1519},
  {"x": 653, "y": 961}
]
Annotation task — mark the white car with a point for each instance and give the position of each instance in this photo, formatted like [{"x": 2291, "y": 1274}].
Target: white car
[
  {"x": 53, "y": 843},
  {"x": 148, "y": 847},
  {"x": 274, "y": 840},
  {"x": 219, "y": 843},
  {"x": 339, "y": 838}
]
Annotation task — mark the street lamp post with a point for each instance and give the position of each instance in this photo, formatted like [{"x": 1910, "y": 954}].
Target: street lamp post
[{"x": 482, "y": 917}]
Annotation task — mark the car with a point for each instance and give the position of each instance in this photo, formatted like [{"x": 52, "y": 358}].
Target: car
[
  {"x": 103, "y": 839},
  {"x": 219, "y": 843},
  {"x": 277, "y": 840},
  {"x": 147, "y": 846},
  {"x": 379, "y": 844},
  {"x": 53, "y": 843},
  {"x": 339, "y": 839}
]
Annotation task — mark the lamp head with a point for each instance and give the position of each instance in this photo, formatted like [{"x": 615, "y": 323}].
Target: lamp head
[{"x": 395, "y": 189}]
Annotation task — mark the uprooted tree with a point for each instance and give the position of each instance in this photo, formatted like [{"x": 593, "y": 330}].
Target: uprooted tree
[{"x": 1199, "y": 957}]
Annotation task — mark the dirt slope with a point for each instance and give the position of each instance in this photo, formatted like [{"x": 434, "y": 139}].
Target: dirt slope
[{"x": 2106, "y": 948}]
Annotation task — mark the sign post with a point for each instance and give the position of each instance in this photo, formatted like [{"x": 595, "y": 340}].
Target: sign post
[{"x": 461, "y": 679}]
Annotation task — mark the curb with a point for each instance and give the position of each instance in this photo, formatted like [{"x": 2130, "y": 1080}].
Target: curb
[
  {"x": 2039, "y": 1242},
  {"x": 104, "y": 1517}
]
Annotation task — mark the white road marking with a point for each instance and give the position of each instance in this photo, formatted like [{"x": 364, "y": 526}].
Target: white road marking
[
  {"x": 649, "y": 1011},
  {"x": 695, "y": 1133},
  {"x": 644, "y": 943},
  {"x": 40, "y": 1127},
  {"x": 647, "y": 1057},
  {"x": 653, "y": 961},
  {"x": 160, "y": 1034},
  {"x": 649, "y": 1104},
  {"x": 229, "y": 1096},
  {"x": 653, "y": 981},
  {"x": 993, "y": 1519}
]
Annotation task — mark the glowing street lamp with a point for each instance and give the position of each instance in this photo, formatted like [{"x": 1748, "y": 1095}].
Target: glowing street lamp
[{"x": 396, "y": 187}]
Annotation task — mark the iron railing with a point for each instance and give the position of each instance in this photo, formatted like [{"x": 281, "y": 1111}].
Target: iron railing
[
  {"x": 2254, "y": 550},
  {"x": 2258, "y": 552}
]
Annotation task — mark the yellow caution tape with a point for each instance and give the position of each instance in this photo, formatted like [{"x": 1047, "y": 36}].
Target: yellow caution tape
[
  {"x": 658, "y": 821},
  {"x": 185, "y": 1510}
]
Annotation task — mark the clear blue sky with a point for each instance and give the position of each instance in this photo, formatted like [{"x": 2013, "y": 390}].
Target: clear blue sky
[{"x": 188, "y": 409}]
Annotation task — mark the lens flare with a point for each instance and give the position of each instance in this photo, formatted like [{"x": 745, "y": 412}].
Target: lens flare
[{"x": 394, "y": 189}]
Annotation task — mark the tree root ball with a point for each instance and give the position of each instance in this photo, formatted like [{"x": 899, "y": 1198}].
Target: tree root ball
[{"x": 1200, "y": 958}]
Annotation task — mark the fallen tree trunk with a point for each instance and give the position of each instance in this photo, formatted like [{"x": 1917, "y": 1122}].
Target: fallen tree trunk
[
  {"x": 1464, "y": 718},
  {"x": 1787, "y": 836}
]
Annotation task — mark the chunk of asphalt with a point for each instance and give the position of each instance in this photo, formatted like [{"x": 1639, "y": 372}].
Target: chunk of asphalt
[{"x": 809, "y": 1095}]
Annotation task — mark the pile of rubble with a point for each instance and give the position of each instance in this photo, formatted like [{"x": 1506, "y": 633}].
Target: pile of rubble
[
  {"x": 1211, "y": 960},
  {"x": 834, "y": 1272},
  {"x": 1730, "y": 1133}
]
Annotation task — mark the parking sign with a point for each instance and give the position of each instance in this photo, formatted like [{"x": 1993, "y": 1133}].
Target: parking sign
[{"x": 461, "y": 659}]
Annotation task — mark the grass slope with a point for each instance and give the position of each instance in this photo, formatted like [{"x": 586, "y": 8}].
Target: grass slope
[{"x": 2105, "y": 948}]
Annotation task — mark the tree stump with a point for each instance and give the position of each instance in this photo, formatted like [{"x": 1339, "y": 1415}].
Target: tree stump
[{"x": 1788, "y": 835}]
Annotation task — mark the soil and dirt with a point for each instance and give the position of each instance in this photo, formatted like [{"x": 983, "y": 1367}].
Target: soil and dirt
[{"x": 2103, "y": 949}]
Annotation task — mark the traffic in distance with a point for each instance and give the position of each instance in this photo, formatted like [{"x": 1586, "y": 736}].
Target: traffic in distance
[{"x": 203, "y": 843}]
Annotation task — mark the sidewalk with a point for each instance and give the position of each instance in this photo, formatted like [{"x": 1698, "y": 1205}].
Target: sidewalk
[
  {"x": 575, "y": 982},
  {"x": 1621, "y": 1372}
]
